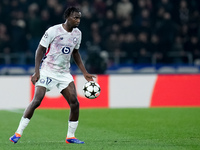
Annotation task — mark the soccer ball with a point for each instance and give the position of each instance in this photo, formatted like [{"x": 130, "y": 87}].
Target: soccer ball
[{"x": 91, "y": 90}]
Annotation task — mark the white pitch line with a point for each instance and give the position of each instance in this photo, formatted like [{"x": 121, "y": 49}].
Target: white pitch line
[{"x": 18, "y": 111}]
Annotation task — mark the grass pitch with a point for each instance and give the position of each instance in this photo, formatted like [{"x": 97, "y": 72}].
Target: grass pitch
[{"x": 106, "y": 129}]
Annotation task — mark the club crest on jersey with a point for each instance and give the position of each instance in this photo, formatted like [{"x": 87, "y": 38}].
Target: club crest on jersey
[
  {"x": 74, "y": 40},
  {"x": 66, "y": 50}
]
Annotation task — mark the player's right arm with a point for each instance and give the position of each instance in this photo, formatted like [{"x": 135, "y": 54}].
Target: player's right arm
[
  {"x": 38, "y": 58},
  {"x": 41, "y": 50}
]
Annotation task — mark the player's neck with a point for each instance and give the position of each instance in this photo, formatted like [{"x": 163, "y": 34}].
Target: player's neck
[{"x": 66, "y": 27}]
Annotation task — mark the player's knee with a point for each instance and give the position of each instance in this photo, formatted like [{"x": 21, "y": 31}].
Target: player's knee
[
  {"x": 74, "y": 104},
  {"x": 74, "y": 107},
  {"x": 77, "y": 104}
]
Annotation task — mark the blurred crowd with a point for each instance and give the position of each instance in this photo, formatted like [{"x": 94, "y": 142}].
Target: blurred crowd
[{"x": 114, "y": 32}]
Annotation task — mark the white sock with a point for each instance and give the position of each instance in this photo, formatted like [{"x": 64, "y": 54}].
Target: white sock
[
  {"x": 22, "y": 125},
  {"x": 72, "y": 125}
]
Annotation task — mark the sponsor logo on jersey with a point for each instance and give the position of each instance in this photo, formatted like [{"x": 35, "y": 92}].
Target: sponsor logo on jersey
[{"x": 66, "y": 50}]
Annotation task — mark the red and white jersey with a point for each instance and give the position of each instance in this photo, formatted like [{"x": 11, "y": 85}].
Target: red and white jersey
[{"x": 60, "y": 45}]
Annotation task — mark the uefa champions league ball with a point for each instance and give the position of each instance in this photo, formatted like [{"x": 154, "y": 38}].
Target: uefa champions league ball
[{"x": 91, "y": 90}]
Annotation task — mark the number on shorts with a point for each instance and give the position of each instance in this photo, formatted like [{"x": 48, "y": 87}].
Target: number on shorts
[{"x": 48, "y": 80}]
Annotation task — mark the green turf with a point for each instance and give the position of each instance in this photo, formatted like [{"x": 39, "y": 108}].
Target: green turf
[{"x": 107, "y": 129}]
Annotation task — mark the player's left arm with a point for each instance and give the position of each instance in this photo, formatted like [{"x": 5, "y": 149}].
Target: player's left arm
[{"x": 78, "y": 60}]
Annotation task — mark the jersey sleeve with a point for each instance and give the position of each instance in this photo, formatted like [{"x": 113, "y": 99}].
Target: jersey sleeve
[
  {"x": 47, "y": 38},
  {"x": 79, "y": 42}
]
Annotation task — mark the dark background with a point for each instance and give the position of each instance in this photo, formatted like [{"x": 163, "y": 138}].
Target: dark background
[{"x": 123, "y": 32}]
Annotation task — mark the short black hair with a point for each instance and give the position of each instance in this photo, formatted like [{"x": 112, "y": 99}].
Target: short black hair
[{"x": 70, "y": 10}]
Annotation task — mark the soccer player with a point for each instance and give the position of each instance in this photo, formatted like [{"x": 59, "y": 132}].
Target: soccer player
[{"x": 52, "y": 68}]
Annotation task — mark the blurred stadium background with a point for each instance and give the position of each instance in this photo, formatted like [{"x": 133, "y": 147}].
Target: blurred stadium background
[
  {"x": 144, "y": 46},
  {"x": 124, "y": 36}
]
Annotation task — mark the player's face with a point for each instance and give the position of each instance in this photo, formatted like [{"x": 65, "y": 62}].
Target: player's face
[{"x": 74, "y": 19}]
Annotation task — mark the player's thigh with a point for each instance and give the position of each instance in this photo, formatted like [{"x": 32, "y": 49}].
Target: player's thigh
[
  {"x": 39, "y": 93},
  {"x": 70, "y": 93}
]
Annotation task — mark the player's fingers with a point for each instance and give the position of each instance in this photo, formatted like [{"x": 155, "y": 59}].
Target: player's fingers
[
  {"x": 33, "y": 82},
  {"x": 90, "y": 79},
  {"x": 93, "y": 76}
]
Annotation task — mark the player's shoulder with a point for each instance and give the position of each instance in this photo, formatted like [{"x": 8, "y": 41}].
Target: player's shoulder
[
  {"x": 55, "y": 30},
  {"x": 77, "y": 31},
  {"x": 55, "y": 27}
]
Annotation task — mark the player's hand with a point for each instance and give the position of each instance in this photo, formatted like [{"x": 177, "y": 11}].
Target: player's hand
[
  {"x": 89, "y": 77},
  {"x": 35, "y": 77}
]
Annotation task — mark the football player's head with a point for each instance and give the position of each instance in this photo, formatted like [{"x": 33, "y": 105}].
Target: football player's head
[{"x": 72, "y": 15}]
